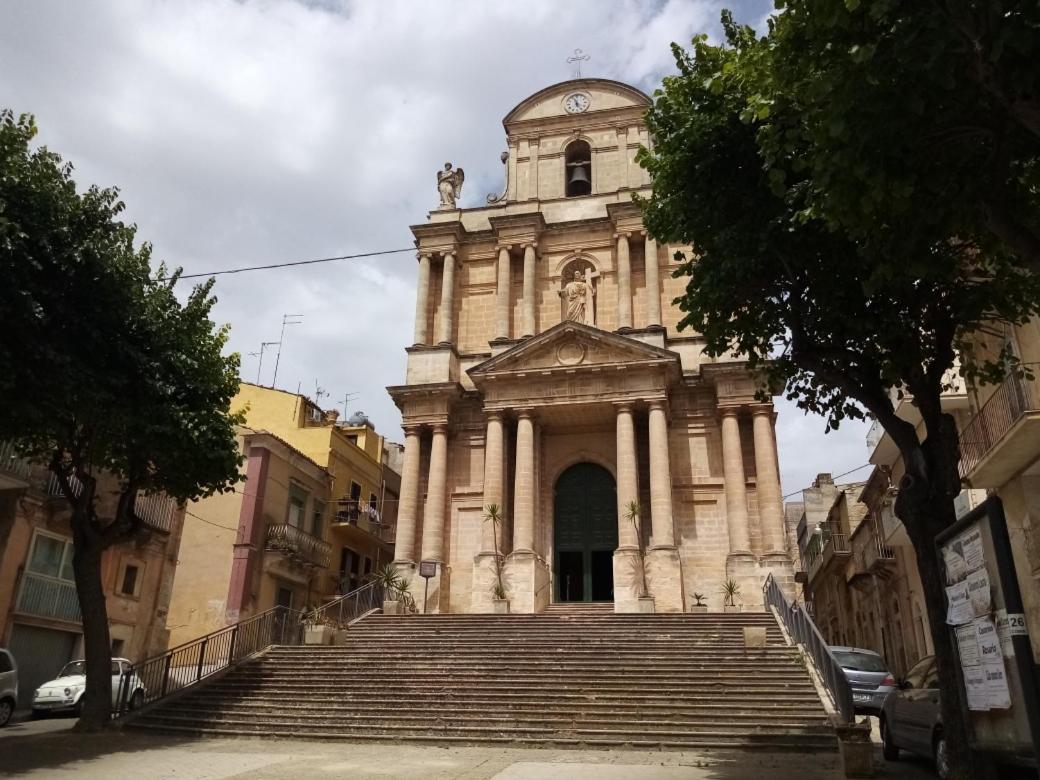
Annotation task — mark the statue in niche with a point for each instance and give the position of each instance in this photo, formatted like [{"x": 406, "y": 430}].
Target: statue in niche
[
  {"x": 579, "y": 297},
  {"x": 449, "y": 185}
]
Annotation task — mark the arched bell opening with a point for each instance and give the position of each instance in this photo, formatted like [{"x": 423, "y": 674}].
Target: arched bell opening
[{"x": 578, "y": 169}]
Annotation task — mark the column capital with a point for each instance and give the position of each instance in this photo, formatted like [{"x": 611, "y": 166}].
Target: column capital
[
  {"x": 623, "y": 406},
  {"x": 530, "y": 245},
  {"x": 441, "y": 426},
  {"x": 494, "y": 414},
  {"x": 622, "y": 234},
  {"x": 504, "y": 247},
  {"x": 413, "y": 429},
  {"x": 423, "y": 255},
  {"x": 525, "y": 412},
  {"x": 730, "y": 410},
  {"x": 658, "y": 403},
  {"x": 757, "y": 409}
]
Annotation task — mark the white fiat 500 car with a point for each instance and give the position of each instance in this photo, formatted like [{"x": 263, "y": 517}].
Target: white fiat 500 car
[{"x": 65, "y": 692}]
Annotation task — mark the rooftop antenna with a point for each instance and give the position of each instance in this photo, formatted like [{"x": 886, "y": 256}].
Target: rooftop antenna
[
  {"x": 319, "y": 391},
  {"x": 578, "y": 58},
  {"x": 287, "y": 319},
  {"x": 263, "y": 345},
  {"x": 346, "y": 400}
]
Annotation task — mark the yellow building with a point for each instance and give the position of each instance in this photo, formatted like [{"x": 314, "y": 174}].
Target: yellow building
[
  {"x": 40, "y": 618},
  {"x": 312, "y": 519}
]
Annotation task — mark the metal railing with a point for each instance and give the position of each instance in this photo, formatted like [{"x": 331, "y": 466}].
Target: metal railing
[
  {"x": 49, "y": 597},
  {"x": 156, "y": 510},
  {"x": 349, "y": 607},
  {"x": 354, "y": 512},
  {"x": 305, "y": 547},
  {"x": 194, "y": 661},
  {"x": 996, "y": 417},
  {"x": 803, "y": 630}
]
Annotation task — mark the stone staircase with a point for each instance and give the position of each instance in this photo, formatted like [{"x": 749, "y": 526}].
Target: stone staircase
[{"x": 572, "y": 676}]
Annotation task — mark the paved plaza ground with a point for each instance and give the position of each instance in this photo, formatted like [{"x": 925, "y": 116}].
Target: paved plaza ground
[{"x": 48, "y": 749}]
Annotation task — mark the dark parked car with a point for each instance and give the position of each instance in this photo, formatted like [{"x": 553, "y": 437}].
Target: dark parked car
[
  {"x": 910, "y": 719},
  {"x": 868, "y": 676}
]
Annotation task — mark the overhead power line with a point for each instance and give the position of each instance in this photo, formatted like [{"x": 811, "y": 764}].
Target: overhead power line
[
  {"x": 845, "y": 474},
  {"x": 299, "y": 262}
]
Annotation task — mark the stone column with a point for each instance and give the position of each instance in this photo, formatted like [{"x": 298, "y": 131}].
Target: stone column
[
  {"x": 622, "y": 150},
  {"x": 736, "y": 489},
  {"x": 627, "y": 475},
  {"x": 502, "y": 295},
  {"x": 422, "y": 297},
  {"x": 408, "y": 509},
  {"x": 653, "y": 283},
  {"x": 523, "y": 494},
  {"x": 494, "y": 476},
  {"x": 767, "y": 481},
  {"x": 447, "y": 299},
  {"x": 660, "y": 478},
  {"x": 530, "y": 325},
  {"x": 436, "y": 492},
  {"x": 624, "y": 281},
  {"x": 532, "y": 190}
]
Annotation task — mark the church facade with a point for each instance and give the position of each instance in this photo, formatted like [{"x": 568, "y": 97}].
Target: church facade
[{"x": 548, "y": 379}]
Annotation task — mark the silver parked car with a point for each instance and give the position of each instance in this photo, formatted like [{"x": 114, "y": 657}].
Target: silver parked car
[
  {"x": 868, "y": 676},
  {"x": 8, "y": 686},
  {"x": 911, "y": 719}
]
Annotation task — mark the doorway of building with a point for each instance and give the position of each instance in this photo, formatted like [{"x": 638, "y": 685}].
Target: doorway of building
[{"x": 584, "y": 534}]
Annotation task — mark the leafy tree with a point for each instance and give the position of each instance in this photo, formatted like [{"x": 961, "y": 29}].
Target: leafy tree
[
  {"x": 807, "y": 277},
  {"x": 104, "y": 374}
]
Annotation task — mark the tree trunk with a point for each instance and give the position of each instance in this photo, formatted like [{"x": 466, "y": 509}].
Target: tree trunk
[
  {"x": 927, "y": 509},
  {"x": 97, "y": 646}
]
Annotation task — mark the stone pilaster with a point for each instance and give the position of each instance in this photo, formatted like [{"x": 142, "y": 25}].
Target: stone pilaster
[
  {"x": 484, "y": 564},
  {"x": 408, "y": 509},
  {"x": 447, "y": 299},
  {"x": 653, "y": 283},
  {"x": 624, "y": 280},
  {"x": 502, "y": 295},
  {"x": 530, "y": 325},
  {"x": 422, "y": 300}
]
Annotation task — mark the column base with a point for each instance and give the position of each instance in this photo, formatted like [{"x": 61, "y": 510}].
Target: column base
[
  {"x": 742, "y": 568},
  {"x": 664, "y": 579},
  {"x": 778, "y": 563},
  {"x": 628, "y": 579},
  {"x": 526, "y": 576},
  {"x": 485, "y": 578}
]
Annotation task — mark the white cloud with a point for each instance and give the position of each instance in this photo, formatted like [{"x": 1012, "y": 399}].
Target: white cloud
[{"x": 244, "y": 133}]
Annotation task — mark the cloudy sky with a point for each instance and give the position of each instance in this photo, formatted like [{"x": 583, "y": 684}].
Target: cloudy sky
[{"x": 262, "y": 131}]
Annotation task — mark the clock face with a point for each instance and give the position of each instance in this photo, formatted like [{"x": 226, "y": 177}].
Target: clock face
[{"x": 576, "y": 103}]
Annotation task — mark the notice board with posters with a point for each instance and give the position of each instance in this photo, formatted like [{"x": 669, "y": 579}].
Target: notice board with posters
[{"x": 985, "y": 617}]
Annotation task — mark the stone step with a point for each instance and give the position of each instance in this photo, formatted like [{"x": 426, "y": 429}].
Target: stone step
[
  {"x": 802, "y": 742},
  {"x": 528, "y": 711},
  {"x": 778, "y": 683}
]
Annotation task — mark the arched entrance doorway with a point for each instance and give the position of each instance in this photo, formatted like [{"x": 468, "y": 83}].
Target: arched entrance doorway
[{"x": 584, "y": 534}]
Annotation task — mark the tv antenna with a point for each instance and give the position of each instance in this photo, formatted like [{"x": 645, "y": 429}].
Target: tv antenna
[
  {"x": 263, "y": 345},
  {"x": 287, "y": 319},
  {"x": 346, "y": 400},
  {"x": 319, "y": 391}
]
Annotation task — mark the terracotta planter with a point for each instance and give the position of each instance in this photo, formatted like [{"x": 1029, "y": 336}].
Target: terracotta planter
[{"x": 501, "y": 606}]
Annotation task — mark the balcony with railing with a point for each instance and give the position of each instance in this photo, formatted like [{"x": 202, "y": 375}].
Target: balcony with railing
[
  {"x": 870, "y": 555},
  {"x": 1004, "y": 437},
  {"x": 354, "y": 513},
  {"x": 157, "y": 510},
  {"x": 48, "y": 597},
  {"x": 826, "y": 547},
  {"x": 299, "y": 546}
]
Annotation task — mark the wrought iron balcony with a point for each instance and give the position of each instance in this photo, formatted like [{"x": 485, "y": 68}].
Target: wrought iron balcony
[
  {"x": 48, "y": 597},
  {"x": 157, "y": 510},
  {"x": 299, "y": 545},
  {"x": 824, "y": 548},
  {"x": 355, "y": 513},
  {"x": 1002, "y": 438}
]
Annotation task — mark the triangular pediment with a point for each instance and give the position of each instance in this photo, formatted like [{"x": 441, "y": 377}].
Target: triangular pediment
[{"x": 573, "y": 346}]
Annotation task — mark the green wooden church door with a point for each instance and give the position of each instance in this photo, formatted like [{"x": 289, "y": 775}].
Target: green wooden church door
[{"x": 584, "y": 534}]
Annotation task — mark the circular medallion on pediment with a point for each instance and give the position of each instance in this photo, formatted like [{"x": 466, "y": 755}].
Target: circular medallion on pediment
[{"x": 570, "y": 354}]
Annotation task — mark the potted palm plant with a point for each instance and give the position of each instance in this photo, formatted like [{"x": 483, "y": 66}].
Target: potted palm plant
[
  {"x": 730, "y": 592},
  {"x": 393, "y": 586},
  {"x": 646, "y": 601},
  {"x": 499, "y": 599},
  {"x": 698, "y": 605}
]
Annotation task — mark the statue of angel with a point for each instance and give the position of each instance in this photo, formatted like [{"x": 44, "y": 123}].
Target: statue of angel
[{"x": 449, "y": 185}]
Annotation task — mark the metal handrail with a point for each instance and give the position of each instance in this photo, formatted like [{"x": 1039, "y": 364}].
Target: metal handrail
[
  {"x": 996, "y": 417},
  {"x": 287, "y": 538},
  {"x": 349, "y": 607},
  {"x": 190, "y": 663},
  {"x": 803, "y": 630}
]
